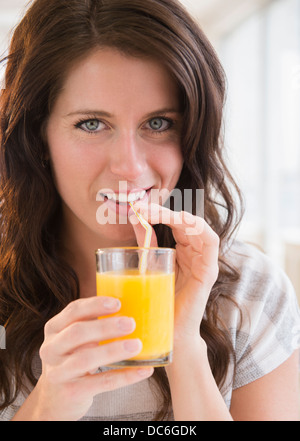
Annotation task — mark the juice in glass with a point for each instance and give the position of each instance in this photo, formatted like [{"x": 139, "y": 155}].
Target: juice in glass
[{"x": 148, "y": 298}]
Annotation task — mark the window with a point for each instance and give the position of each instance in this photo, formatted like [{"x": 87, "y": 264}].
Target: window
[{"x": 261, "y": 58}]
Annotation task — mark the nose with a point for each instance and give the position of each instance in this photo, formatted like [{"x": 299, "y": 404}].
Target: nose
[{"x": 128, "y": 158}]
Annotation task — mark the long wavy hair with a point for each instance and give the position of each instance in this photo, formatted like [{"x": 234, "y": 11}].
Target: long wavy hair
[{"x": 35, "y": 282}]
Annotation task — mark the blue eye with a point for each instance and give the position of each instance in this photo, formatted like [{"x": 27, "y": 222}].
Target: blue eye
[
  {"x": 90, "y": 125},
  {"x": 160, "y": 124}
]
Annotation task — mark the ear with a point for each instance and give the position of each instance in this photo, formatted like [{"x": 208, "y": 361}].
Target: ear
[{"x": 140, "y": 232}]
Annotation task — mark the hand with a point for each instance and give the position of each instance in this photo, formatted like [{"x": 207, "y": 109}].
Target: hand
[
  {"x": 197, "y": 250},
  {"x": 71, "y": 353}
]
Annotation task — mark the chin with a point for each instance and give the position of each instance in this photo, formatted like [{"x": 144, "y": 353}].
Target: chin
[{"x": 118, "y": 234}]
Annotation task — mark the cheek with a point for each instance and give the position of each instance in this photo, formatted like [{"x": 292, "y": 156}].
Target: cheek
[
  {"x": 64, "y": 166},
  {"x": 169, "y": 163},
  {"x": 76, "y": 179},
  {"x": 71, "y": 162}
]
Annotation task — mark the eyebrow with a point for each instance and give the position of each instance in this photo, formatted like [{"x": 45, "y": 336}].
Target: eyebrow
[
  {"x": 102, "y": 113},
  {"x": 90, "y": 112},
  {"x": 163, "y": 111}
]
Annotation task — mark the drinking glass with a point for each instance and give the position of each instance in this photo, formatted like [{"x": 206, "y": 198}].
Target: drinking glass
[{"x": 143, "y": 279}]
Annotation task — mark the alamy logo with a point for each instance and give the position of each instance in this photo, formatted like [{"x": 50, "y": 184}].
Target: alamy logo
[
  {"x": 2, "y": 338},
  {"x": 187, "y": 200}
]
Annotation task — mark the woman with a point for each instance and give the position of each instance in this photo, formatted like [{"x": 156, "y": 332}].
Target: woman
[{"x": 101, "y": 94}]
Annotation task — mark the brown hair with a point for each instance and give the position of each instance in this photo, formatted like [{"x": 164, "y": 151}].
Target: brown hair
[{"x": 35, "y": 283}]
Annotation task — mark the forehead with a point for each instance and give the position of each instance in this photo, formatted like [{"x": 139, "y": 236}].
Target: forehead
[{"x": 108, "y": 76}]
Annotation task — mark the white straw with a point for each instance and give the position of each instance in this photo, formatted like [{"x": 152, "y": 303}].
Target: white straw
[{"x": 147, "y": 241}]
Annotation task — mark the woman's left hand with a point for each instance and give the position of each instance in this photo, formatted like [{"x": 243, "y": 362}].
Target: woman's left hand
[{"x": 197, "y": 250}]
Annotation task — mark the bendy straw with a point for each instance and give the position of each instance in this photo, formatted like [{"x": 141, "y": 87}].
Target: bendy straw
[{"x": 147, "y": 241}]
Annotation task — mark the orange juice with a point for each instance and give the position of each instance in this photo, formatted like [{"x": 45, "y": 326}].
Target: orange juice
[{"x": 149, "y": 299}]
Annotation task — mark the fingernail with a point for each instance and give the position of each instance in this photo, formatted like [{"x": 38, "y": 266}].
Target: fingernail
[
  {"x": 126, "y": 324},
  {"x": 145, "y": 372},
  {"x": 133, "y": 219},
  {"x": 111, "y": 303},
  {"x": 141, "y": 206},
  {"x": 133, "y": 345}
]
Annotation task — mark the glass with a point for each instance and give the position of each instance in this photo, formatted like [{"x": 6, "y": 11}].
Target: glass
[{"x": 143, "y": 279}]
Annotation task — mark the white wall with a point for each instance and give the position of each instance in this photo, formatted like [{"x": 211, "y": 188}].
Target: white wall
[{"x": 262, "y": 61}]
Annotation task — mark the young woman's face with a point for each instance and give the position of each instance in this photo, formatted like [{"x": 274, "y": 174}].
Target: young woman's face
[{"x": 113, "y": 135}]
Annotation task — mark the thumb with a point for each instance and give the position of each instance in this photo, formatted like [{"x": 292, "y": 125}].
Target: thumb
[{"x": 140, "y": 232}]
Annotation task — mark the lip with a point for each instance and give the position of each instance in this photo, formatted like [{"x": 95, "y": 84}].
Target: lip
[
  {"x": 122, "y": 209},
  {"x": 133, "y": 190},
  {"x": 128, "y": 192}
]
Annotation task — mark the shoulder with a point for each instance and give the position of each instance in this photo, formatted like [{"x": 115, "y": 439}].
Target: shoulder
[
  {"x": 258, "y": 274},
  {"x": 263, "y": 291},
  {"x": 265, "y": 328}
]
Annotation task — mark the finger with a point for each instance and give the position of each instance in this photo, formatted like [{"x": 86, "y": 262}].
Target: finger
[
  {"x": 183, "y": 224},
  {"x": 82, "y": 309},
  {"x": 210, "y": 250},
  {"x": 84, "y": 333},
  {"x": 88, "y": 360},
  {"x": 200, "y": 255},
  {"x": 113, "y": 379},
  {"x": 192, "y": 232},
  {"x": 187, "y": 228}
]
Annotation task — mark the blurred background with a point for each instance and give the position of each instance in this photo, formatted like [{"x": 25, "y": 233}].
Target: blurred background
[{"x": 258, "y": 42}]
